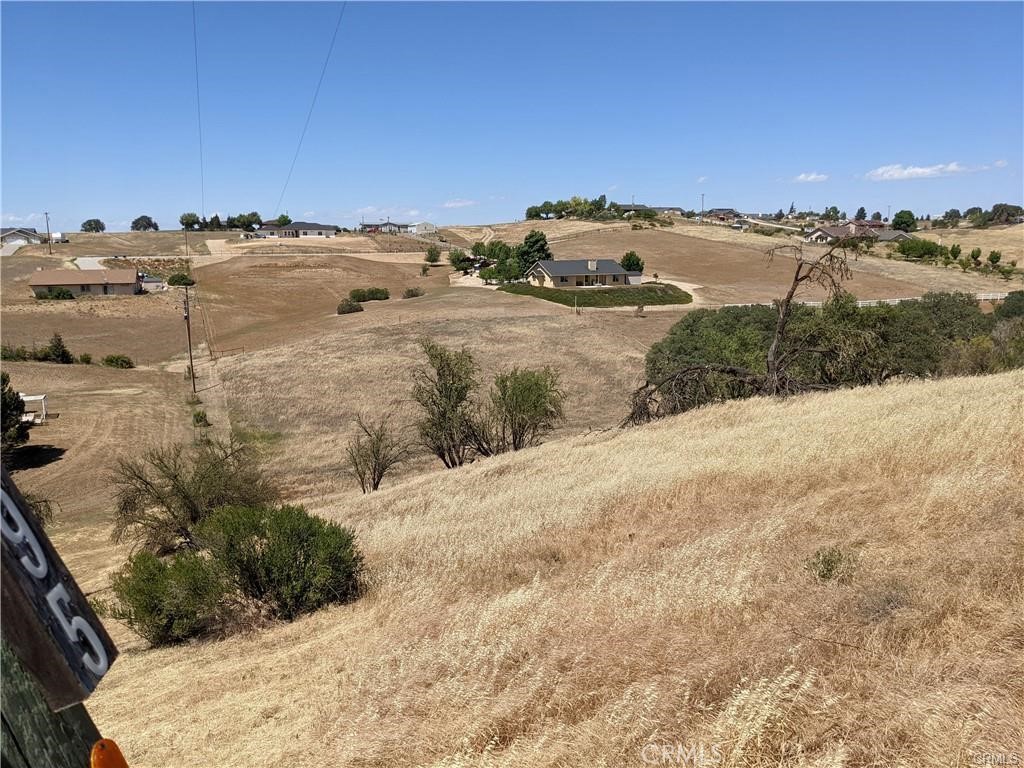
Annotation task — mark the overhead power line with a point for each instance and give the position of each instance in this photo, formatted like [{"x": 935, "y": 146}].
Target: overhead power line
[
  {"x": 309, "y": 115},
  {"x": 199, "y": 113}
]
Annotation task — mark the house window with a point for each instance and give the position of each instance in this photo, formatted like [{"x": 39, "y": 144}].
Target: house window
[
  {"x": 563, "y": 279},
  {"x": 615, "y": 278},
  {"x": 85, "y": 288}
]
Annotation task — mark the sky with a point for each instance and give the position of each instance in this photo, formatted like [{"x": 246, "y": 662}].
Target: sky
[{"x": 470, "y": 112}]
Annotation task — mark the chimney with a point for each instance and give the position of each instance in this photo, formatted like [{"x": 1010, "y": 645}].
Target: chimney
[{"x": 592, "y": 265}]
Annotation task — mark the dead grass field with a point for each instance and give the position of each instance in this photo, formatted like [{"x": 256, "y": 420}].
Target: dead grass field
[
  {"x": 136, "y": 245},
  {"x": 570, "y": 605},
  {"x": 555, "y": 229},
  {"x": 731, "y": 273},
  {"x": 1009, "y": 240}
]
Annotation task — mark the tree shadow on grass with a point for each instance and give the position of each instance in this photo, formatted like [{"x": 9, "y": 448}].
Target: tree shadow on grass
[{"x": 34, "y": 456}]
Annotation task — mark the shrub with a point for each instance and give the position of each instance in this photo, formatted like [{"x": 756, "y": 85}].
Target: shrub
[
  {"x": 347, "y": 306},
  {"x": 831, "y": 563},
  {"x": 57, "y": 294},
  {"x": 424, "y": 270},
  {"x": 118, "y": 361},
  {"x": 458, "y": 259},
  {"x": 85, "y": 358},
  {"x": 433, "y": 255},
  {"x": 524, "y": 406},
  {"x": 1011, "y": 306},
  {"x": 412, "y": 293},
  {"x": 168, "y": 601},
  {"x": 442, "y": 389},
  {"x": 180, "y": 278},
  {"x": 14, "y": 431},
  {"x": 199, "y": 419},
  {"x": 284, "y": 557},
  {"x": 57, "y": 351},
  {"x": 369, "y": 294},
  {"x": 924, "y": 250},
  {"x": 162, "y": 496}
]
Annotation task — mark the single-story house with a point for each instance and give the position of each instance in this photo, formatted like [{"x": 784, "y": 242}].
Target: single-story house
[
  {"x": 20, "y": 236},
  {"x": 722, "y": 214},
  {"x": 832, "y": 234},
  {"x": 86, "y": 282},
  {"x": 667, "y": 209},
  {"x": 578, "y": 273},
  {"x": 385, "y": 228},
  {"x": 422, "y": 228},
  {"x": 296, "y": 229}
]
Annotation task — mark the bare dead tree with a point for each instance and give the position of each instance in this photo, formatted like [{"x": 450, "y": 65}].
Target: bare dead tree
[
  {"x": 695, "y": 385},
  {"x": 373, "y": 452}
]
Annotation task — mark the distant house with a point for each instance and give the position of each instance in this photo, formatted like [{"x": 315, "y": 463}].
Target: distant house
[
  {"x": 20, "y": 236},
  {"x": 580, "y": 273},
  {"x": 59, "y": 237},
  {"x": 854, "y": 229},
  {"x": 86, "y": 282},
  {"x": 422, "y": 228},
  {"x": 296, "y": 229},
  {"x": 385, "y": 228},
  {"x": 667, "y": 209},
  {"x": 722, "y": 214}
]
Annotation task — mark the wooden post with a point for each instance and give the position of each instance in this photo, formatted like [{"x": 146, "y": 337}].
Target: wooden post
[
  {"x": 33, "y": 735},
  {"x": 54, "y": 648}
]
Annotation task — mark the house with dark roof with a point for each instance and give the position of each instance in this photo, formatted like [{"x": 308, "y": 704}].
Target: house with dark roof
[
  {"x": 580, "y": 273},
  {"x": 296, "y": 229},
  {"x": 20, "y": 236},
  {"x": 722, "y": 214},
  {"x": 385, "y": 228}
]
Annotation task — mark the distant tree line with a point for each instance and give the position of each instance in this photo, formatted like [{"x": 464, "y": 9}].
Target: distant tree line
[
  {"x": 511, "y": 262},
  {"x": 245, "y": 221},
  {"x": 597, "y": 209}
]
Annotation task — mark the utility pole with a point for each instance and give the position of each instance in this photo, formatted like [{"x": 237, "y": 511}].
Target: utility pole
[
  {"x": 702, "y": 209},
  {"x": 185, "y": 230},
  {"x": 49, "y": 242},
  {"x": 188, "y": 332}
]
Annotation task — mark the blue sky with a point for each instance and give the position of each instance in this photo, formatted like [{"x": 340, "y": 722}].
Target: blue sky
[{"x": 469, "y": 112}]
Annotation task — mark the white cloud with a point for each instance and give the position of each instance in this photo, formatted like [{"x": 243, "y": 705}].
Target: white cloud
[
  {"x": 899, "y": 172},
  {"x": 369, "y": 209},
  {"x": 309, "y": 213},
  {"x": 613, "y": 187},
  {"x": 458, "y": 203},
  {"x": 412, "y": 212},
  {"x": 701, "y": 179},
  {"x": 814, "y": 176},
  {"x": 999, "y": 163},
  {"x": 13, "y": 218}
]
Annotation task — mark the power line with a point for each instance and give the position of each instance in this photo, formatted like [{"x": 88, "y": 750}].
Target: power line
[
  {"x": 309, "y": 115},
  {"x": 199, "y": 113}
]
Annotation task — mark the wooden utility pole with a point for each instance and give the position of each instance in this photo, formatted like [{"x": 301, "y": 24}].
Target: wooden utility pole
[
  {"x": 49, "y": 241},
  {"x": 188, "y": 333}
]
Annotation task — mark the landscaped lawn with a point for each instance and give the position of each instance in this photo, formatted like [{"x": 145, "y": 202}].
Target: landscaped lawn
[{"x": 626, "y": 296}]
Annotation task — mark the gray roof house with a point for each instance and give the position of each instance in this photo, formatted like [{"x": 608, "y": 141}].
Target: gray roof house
[
  {"x": 580, "y": 273},
  {"x": 832, "y": 234},
  {"x": 20, "y": 236},
  {"x": 296, "y": 229}
]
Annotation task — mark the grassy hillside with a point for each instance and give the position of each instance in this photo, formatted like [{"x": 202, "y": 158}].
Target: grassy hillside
[{"x": 573, "y": 604}]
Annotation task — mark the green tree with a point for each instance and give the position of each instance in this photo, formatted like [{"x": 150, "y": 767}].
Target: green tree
[
  {"x": 792, "y": 208},
  {"x": 458, "y": 259},
  {"x": 905, "y": 221},
  {"x": 57, "y": 351},
  {"x": 442, "y": 389},
  {"x": 976, "y": 257},
  {"x": 831, "y": 213},
  {"x": 1011, "y": 306},
  {"x": 283, "y": 220},
  {"x": 479, "y": 250},
  {"x": 954, "y": 251},
  {"x": 861, "y": 214},
  {"x": 189, "y": 220},
  {"x": 180, "y": 278},
  {"x": 144, "y": 224},
  {"x": 534, "y": 248},
  {"x": 994, "y": 257},
  {"x": 631, "y": 262},
  {"x": 524, "y": 406},
  {"x": 952, "y": 216},
  {"x": 93, "y": 225},
  {"x": 433, "y": 255},
  {"x": 876, "y": 216},
  {"x": 15, "y": 431},
  {"x": 215, "y": 223}
]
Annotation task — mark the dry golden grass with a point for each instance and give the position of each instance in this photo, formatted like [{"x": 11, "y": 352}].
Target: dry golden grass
[
  {"x": 571, "y": 604},
  {"x": 1009, "y": 240},
  {"x": 136, "y": 245},
  {"x": 555, "y": 229}
]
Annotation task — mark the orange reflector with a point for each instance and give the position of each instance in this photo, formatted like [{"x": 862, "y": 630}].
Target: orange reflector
[{"x": 105, "y": 754}]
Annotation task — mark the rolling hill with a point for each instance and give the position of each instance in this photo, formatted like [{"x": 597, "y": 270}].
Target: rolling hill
[{"x": 830, "y": 580}]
